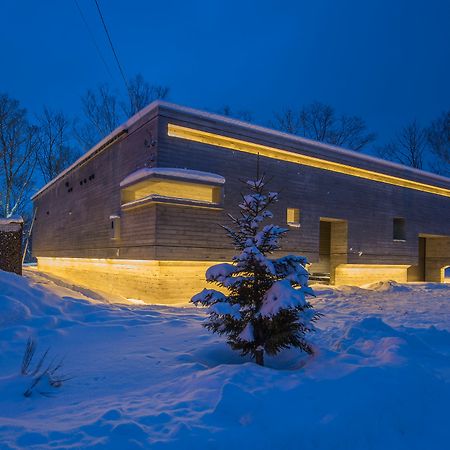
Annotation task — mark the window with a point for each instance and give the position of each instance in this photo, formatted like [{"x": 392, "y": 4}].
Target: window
[
  {"x": 293, "y": 217},
  {"x": 114, "y": 227},
  {"x": 399, "y": 229}
]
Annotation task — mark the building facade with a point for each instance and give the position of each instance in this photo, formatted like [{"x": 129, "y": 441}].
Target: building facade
[{"x": 138, "y": 214}]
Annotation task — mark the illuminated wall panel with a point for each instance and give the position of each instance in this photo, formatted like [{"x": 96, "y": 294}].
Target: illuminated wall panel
[
  {"x": 173, "y": 189},
  {"x": 361, "y": 274},
  {"x": 155, "y": 282}
]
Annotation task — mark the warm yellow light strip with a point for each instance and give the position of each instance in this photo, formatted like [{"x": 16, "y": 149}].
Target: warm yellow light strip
[
  {"x": 153, "y": 281},
  {"x": 239, "y": 145}
]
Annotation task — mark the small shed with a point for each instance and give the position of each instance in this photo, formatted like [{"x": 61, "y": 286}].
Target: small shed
[{"x": 11, "y": 230}]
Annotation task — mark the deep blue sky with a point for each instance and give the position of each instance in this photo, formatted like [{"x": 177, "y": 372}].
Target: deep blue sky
[{"x": 386, "y": 60}]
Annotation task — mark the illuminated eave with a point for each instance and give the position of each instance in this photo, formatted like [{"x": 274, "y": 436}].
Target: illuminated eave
[{"x": 239, "y": 145}]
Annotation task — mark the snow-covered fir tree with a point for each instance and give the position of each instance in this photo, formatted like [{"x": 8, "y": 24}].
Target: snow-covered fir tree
[{"x": 262, "y": 307}]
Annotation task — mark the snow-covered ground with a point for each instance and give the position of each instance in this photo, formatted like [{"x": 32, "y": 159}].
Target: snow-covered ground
[{"x": 152, "y": 377}]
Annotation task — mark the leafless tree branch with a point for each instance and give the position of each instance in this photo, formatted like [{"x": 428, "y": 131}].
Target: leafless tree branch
[
  {"x": 55, "y": 152},
  {"x": 18, "y": 156},
  {"x": 438, "y": 137},
  {"x": 319, "y": 122},
  {"x": 408, "y": 147},
  {"x": 244, "y": 115},
  {"x": 104, "y": 109}
]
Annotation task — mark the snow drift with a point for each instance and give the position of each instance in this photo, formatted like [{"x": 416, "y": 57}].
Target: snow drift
[{"x": 146, "y": 376}]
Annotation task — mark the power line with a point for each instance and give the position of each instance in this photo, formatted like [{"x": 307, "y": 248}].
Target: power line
[
  {"x": 112, "y": 47},
  {"x": 93, "y": 39}
]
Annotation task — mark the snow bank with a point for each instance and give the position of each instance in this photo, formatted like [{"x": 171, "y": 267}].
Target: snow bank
[{"x": 152, "y": 377}]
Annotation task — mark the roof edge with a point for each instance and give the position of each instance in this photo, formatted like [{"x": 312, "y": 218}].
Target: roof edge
[
  {"x": 295, "y": 138},
  {"x": 113, "y": 135},
  {"x": 160, "y": 104}
]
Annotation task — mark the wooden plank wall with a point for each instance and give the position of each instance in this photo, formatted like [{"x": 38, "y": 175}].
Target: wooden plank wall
[{"x": 77, "y": 223}]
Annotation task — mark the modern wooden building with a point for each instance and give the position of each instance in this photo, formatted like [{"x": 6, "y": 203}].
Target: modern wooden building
[{"x": 138, "y": 214}]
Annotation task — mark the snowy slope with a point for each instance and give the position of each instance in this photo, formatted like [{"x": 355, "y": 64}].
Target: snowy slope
[{"x": 152, "y": 377}]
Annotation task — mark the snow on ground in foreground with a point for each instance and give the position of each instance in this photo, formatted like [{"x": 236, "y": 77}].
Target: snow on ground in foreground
[{"x": 152, "y": 377}]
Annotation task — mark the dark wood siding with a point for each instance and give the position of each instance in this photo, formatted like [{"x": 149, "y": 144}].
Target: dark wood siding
[{"x": 77, "y": 223}]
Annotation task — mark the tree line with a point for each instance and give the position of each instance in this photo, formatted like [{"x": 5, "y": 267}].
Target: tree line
[
  {"x": 35, "y": 149},
  {"x": 422, "y": 147}
]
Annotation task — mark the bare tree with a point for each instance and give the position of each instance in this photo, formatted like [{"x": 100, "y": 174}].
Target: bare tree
[
  {"x": 408, "y": 147},
  {"x": 55, "y": 152},
  {"x": 438, "y": 136},
  {"x": 287, "y": 121},
  {"x": 140, "y": 94},
  {"x": 350, "y": 132},
  {"x": 104, "y": 109},
  {"x": 319, "y": 122},
  {"x": 18, "y": 148},
  {"x": 243, "y": 114},
  {"x": 101, "y": 113}
]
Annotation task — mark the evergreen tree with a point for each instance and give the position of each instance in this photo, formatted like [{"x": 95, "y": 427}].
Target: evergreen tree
[{"x": 264, "y": 308}]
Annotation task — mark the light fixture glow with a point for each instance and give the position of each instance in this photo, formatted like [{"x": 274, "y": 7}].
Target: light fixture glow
[
  {"x": 172, "y": 189},
  {"x": 361, "y": 274},
  {"x": 152, "y": 281},
  {"x": 218, "y": 140}
]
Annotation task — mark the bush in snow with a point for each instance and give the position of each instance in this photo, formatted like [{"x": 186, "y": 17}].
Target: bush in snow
[
  {"x": 42, "y": 377},
  {"x": 265, "y": 307}
]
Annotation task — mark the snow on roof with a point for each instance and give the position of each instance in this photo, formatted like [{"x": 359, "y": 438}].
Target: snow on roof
[
  {"x": 8, "y": 220},
  {"x": 172, "y": 172},
  {"x": 249, "y": 126}
]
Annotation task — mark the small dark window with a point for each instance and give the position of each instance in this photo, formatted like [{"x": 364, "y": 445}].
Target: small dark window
[
  {"x": 48, "y": 213},
  {"x": 115, "y": 227},
  {"x": 81, "y": 182},
  {"x": 399, "y": 229},
  {"x": 85, "y": 180},
  {"x": 67, "y": 184}
]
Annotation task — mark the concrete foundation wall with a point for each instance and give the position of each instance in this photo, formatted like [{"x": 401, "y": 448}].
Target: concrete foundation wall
[{"x": 156, "y": 282}]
